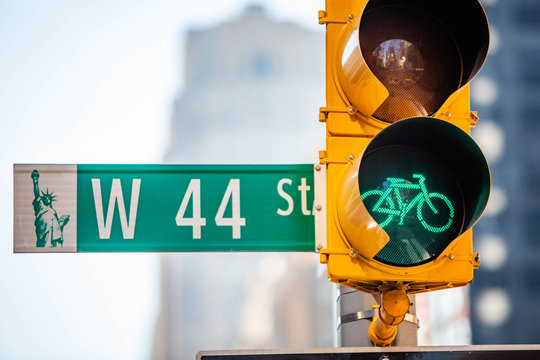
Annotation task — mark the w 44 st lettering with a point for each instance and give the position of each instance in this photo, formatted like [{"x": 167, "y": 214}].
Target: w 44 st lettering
[{"x": 191, "y": 208}]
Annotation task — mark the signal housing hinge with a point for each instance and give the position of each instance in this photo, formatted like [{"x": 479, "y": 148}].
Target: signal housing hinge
[{"x": 325, "y": 19}]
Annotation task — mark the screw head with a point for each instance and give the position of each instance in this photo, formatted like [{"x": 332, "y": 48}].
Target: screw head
[
  {"x": 351, "y": 157},
  {"x": 318, "y": 207},
  {"x": 352, "y": 252}
]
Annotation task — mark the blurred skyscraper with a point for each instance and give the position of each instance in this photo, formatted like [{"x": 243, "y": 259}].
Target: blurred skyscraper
[
  {"x": 506, "y": 289},
  {"x": 252, "y": 91}
]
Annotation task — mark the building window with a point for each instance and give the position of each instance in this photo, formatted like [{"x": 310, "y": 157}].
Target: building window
[{"x": 261, "y": 66}]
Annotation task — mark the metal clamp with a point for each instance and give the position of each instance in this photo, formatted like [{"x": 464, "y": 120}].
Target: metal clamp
[
  {"x": 360, "y": 315},
  {"x": 370, "y": 314}
]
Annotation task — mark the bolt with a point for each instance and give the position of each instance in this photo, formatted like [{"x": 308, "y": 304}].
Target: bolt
[
  {"x": 351, "y": 16},
  {"x": 449, "y": 114},
  {"x": 351, "y": 157},
  {"x": 352, "y": 252},
  {"x": 351, "y": 110},
  {"x": 318, "y": 207},
  {"x": 319, "y": 247},
  {"x": 451, "y": 256},
  {"x": 318, "y": 167}
]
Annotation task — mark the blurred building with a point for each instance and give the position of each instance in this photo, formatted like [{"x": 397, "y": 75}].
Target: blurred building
[
  {"x": 252, "y": 91},
  {"x": 506, "y": 289}
]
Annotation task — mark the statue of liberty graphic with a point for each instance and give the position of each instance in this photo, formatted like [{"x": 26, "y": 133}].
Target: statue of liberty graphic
[{"x": 49, "y": 228}]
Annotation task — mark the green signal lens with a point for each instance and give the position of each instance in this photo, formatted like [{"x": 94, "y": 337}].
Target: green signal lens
[
  {"x": 415, "y": 200},
  {"x": 425, "y": 182}
]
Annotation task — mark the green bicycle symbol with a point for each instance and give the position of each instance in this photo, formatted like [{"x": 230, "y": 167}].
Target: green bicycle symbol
[{"x": 391, "y": 202}]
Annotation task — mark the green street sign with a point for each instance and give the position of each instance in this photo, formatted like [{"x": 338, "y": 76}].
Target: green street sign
[{"x": 101, "y": 208}]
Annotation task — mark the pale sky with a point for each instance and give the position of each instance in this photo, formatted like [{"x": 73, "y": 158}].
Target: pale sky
[{"x": 92, "y": 82}]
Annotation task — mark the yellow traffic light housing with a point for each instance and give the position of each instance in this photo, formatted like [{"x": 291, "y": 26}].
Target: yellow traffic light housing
[{"x": 405, "y": 182}]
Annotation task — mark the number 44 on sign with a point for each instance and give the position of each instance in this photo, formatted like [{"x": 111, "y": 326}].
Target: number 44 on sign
[{"x": 196, "y": 221}]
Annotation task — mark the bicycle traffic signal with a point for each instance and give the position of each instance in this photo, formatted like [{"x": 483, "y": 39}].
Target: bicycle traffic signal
[{"x": 405, "y": 181}]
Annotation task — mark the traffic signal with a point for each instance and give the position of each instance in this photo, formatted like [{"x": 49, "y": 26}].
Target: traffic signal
[{"x": 405, "y": 181}]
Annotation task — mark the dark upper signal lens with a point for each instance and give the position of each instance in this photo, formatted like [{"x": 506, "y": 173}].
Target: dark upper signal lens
[{"x": 421, "y": 52}]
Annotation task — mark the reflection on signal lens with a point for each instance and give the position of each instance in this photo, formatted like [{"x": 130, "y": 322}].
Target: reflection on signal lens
[{"x": 398, "y": 63}]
